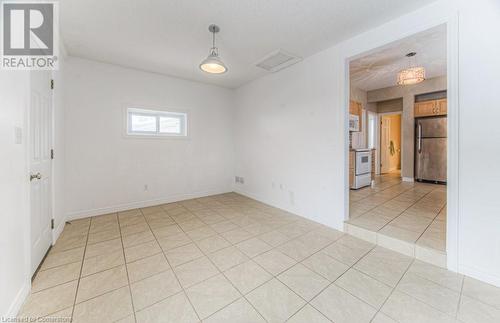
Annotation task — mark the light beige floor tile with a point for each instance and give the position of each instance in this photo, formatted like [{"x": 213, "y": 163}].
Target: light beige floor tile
[
  {"x": 437, "y": 296},
  {"x": 483, "y": 292},
  {"x": 132, "y": 220},
  {"x": 236, "y": 235},
  {"x": 102, "y": 262},
  {"x": 175, "y": 309},
  {"x": 128, "y": 319},
  {"x": 274, "y": 238},
  {"x": 109, "y": 307},
  {"x": 473, "y": 311},
  {"x": 103, "y": 236},
  {"x": 224, "y": 226},
  {"x": 141, "y": 251},
  {"x": 404, "y": 308},
  {"x": 195, "y": 271},
  {"x": 169, "y": 230},
  {"x": 137, "y": 238},
  {"x": 55, "y": 276},
  {"x": 102, "y": 282},
  {"x": 401, "y": 234},
  {"x": 274, "y": 301},
  {"x": 212, "y": 244},
  {"x": 253, "y": 247},
  {"x": 308, "y": 314},
  {"x": 70, "y": 242},
  {"x": 151, "y": 209},
  {"x": 183, "y": 254},
  {"x": 326, "y": 266},
  {"x": 153, "y": 289},
  {"x": 64, "y": 315},
  {"x": 49, "y": 301},
  {"x": 364, "y": 287},
  {"x": 303, "y": 281},
  {"x": 160, "y": 222},
  {"x": 341, "y": 307},
  {"x": 135, "y": 228},
  {"x": 146, "y": 267},
  {"x": 192, "y": 224},
  {"x": 382, "y": 318},
  {"x": 384, "y": 265},
  {"x": 212, "y": 219},
  {"x": 55, "y": 259},
  {"x": 247, "y": 276},
  {"x": 101, "y": 248},
  {"x": 174, "y": 241},
  {"x": 344, "y": 253},
  {"x": 201, "y": 233},
  {"x": 237, "y": 312},
  {"x": 274, "y": 262},
  {"x": 227, "y": 258},
  {"x": 211, "y": 295},
  {"x": 99, "y": 227},
  {"x": 438, "y": 275}
]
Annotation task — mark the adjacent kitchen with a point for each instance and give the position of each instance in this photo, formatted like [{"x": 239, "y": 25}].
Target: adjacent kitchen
[{"x": 398, "y": 146}]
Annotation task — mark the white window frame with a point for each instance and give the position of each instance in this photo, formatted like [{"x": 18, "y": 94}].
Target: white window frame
[{"x": 156, "y": 113}]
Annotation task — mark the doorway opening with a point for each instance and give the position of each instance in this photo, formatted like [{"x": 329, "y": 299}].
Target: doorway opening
[{"x": 390, "y": 204}]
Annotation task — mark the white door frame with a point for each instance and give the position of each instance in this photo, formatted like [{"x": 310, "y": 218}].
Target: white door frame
[
  {"x": 378, "y": 154},
  {"x": 450, "y": 19}
]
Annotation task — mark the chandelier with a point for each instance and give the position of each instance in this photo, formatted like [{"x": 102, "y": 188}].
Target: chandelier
[{"x": 411, "y": 75}]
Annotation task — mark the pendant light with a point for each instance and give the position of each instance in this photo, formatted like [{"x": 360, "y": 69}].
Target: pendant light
[
  {"x": 411, "y": 75},
  {"x": 213, "y": 64}
]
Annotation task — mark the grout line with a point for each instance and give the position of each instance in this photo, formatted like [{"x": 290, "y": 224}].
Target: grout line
[
  {"x": 126, "y": 268},
  {"x": 81, "y": 269}
]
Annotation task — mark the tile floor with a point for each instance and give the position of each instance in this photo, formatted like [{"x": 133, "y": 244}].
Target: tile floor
[
  {"x": 411, "y": 212},
  {"x": 227, "y": 258}
]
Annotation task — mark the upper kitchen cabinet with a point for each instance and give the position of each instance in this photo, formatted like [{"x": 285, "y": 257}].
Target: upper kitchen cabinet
[{"x": 431, "y": 108}]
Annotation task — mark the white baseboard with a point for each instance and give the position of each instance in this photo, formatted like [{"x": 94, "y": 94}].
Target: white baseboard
[
  {"x": 479, "y": 275},
  {"x": 19, "y": 300},
  {"x": 408, "y": 179},
  {"x": 134, "y": 205}
]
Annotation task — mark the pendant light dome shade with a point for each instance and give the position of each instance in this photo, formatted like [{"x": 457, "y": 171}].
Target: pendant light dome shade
[{"x": 213, "y": 64}]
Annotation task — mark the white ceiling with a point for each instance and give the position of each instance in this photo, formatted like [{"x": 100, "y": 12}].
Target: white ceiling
[
  {"x": 171, "y": 36},
  {"x": 379, "y": 69}
]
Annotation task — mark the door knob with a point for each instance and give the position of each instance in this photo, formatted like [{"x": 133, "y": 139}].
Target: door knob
[{"x": 35, "y": 176}]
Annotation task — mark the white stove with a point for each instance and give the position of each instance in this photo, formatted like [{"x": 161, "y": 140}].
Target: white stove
[{"x": 362, "y": 168}]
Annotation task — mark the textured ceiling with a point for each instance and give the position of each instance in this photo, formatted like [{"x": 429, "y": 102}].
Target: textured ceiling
[
  {"x": 171, "y": 36},
  {"x": 379, "y": 69}
]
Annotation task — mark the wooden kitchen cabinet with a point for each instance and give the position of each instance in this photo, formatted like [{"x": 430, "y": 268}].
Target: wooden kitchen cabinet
[
  {"x": 431, "y": 108},
  {"x": 351, "y": 167},
  {"x": 357, "y": 109}
]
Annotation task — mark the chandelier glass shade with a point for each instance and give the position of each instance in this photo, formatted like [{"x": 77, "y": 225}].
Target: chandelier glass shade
[{"x": 413, "y": 74}]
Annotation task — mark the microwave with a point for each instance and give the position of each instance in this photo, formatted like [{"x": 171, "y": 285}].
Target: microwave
[{"x": 353, "y": 122}]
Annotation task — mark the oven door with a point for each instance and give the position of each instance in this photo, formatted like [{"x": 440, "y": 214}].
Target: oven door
[{"x": 363, "y": 162}]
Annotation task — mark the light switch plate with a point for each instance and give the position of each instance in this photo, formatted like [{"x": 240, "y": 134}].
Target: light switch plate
[{"x": 18, "y": 135}]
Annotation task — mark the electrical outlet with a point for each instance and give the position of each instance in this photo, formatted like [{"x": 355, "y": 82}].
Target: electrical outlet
[
  {"x": 146, "y": 188},
  {"x": 242, "y": 180},
  {"x": 238, "y": 179}
]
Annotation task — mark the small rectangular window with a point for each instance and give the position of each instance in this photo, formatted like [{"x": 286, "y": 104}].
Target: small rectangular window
[{"x": 156, "y": 123}]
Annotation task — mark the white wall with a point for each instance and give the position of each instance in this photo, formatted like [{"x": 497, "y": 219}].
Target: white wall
[
  {"x": 479, "y": 205},
  {"x": 14, "y": 225},
  {"x": 106, "y": 171},
  {"x": 59, "y": 137},
  {"x": 290, "y": 140}
]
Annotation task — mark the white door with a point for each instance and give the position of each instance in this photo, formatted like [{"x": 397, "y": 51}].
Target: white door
[
  {"x": 40, "y": 142},
  {"x": 385, "y": 142}
]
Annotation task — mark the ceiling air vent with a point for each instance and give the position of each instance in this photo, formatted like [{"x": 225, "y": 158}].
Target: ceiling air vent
[{"x": 277, "y": 60}]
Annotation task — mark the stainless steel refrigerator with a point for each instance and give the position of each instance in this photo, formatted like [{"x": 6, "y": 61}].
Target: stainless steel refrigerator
[{"x": 430, "y": 149}]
